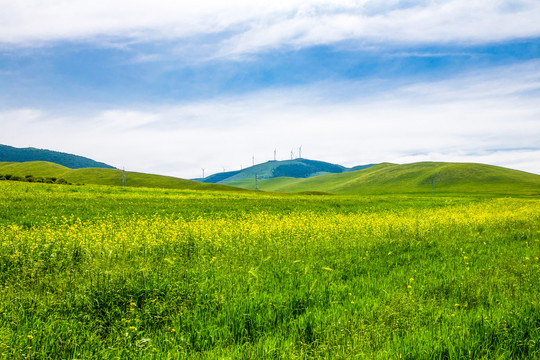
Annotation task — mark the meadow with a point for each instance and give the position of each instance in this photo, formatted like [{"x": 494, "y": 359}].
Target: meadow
[{"x": 97, "y": 272}]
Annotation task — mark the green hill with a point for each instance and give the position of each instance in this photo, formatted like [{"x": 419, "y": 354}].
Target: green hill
[
  {"x": 105, "y": 176},
  {"x": 219, "y": 177},
  {"x": 296, "y": 168},
  {"x": 416, "y": 178},
  {"x": 13, "y": 154},
  {"x": 424, "y": 177}
]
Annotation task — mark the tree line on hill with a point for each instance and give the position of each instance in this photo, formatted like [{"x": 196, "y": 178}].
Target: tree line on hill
[
  {"x": 13, "y": 154},
  {"x": 31, "y": 178}
]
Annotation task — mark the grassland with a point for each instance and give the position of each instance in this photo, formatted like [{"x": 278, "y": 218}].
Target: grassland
[
  {"x": 99, "y": 272},
  {"x": 100, "y": 176},
  {"x": 416, "y": 178}
]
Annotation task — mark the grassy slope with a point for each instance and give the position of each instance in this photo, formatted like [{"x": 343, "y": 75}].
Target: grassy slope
[
  {"x": 263, "y": 171},
  {"x": 380, "y": 179},
  {"x": 104, "y": 176},
  {"x": 274, "y": 184},
  {"x": 412, "y": 178},
  {"x": 35, "y": 168}
]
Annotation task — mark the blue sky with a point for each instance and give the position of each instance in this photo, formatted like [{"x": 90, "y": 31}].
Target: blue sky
[{"x": 175, "y": 87}]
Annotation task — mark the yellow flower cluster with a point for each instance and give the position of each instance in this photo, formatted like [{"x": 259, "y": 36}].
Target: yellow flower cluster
[{"x": 113, "y": 236}]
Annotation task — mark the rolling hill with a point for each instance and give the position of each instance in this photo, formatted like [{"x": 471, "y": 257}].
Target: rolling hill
[
  {"x": 13, "y": 154},
  {"x": 100, "y": 176},
  {"x": 416, "y": 178},
  {"x": 296, "y": 168}
]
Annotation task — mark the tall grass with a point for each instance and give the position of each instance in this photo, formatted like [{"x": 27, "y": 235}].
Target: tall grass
[{"x": 107, "y": 273}]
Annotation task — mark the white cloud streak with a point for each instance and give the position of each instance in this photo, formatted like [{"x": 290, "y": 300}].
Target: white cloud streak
[
  {"x": 491, "y": 117},
  {"x": 248, "y": 27}
]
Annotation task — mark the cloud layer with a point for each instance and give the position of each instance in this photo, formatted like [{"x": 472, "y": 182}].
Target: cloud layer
[
  {"x": 172, "y": 86},
  {"x": 239, "y": 27},
  {"x": 491, "y": 116}
]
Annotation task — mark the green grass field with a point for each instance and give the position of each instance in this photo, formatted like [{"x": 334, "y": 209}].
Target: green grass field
[
  {"x": 101, "y": 272},
  {"x": 416, "y": 178},
  {"x": 99, "y": 176}
]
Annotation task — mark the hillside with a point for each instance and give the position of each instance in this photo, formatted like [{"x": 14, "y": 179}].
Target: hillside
[
  {"x": 424, "y": 177},
  {"x": 13, "y": 154},
  {"x": 219, "y": 177},
  {"x": 99, "y": 176},
  {"x": 296, "y": 168}
]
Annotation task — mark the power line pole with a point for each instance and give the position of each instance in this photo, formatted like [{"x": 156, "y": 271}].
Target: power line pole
[{"x": 124, "y": 177}]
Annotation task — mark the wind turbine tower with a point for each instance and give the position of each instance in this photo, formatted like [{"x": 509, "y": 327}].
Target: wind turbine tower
[
  {"x": 275, "y": 154},
  {"x": 300, "y": 152}
]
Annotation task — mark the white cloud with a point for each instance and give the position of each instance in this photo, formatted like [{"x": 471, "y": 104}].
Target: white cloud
[
  {"x": 246, "y": 26},
  {"x": 492, "y": 117}
]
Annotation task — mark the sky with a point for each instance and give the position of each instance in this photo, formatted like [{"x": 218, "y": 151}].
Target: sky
[{"x": 173, "y": 87}]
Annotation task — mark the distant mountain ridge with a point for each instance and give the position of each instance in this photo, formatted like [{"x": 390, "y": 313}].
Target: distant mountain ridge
[
  {"x": 13, "y": 154},
  {"x": 296, "y": 168}
]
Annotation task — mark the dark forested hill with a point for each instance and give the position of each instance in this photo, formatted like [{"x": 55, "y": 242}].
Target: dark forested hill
[
  {"x": 13, "y": 154},
  {"x": 296, "y": 168}
]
